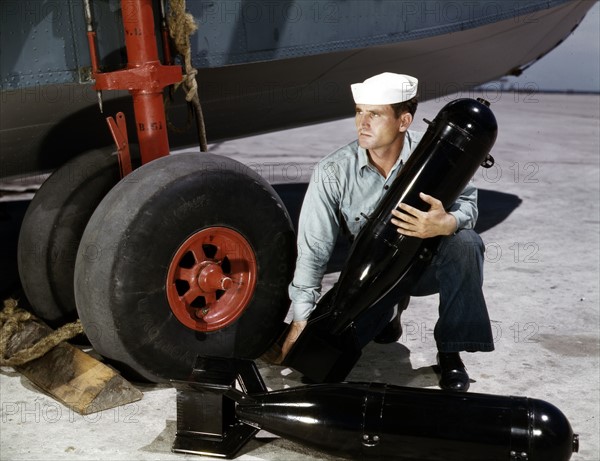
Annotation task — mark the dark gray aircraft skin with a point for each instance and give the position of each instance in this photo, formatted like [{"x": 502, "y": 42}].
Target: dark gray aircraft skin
[{"x": 262, "y": 65}]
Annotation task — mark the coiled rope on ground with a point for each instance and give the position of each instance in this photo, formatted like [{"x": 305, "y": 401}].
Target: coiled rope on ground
[{"x": 12, "y": 321}]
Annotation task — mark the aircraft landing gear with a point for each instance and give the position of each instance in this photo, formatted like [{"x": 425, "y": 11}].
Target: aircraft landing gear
[{"x": 189, "y": 254}]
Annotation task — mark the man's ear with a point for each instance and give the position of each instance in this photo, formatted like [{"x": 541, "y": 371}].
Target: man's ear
[{"x": 405, "y": 121}]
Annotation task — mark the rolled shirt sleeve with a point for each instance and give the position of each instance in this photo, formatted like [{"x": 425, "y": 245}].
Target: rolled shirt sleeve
[{"x": 465, "y": 208}]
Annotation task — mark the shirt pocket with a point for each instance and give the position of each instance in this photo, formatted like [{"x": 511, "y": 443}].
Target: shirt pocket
[{"x": 355, "y": 218}]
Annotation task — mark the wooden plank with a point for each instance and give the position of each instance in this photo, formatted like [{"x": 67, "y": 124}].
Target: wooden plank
[{"x": 69, "y": 375}]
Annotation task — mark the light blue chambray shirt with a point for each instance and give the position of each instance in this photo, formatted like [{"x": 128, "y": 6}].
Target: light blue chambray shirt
[{"x": 344, "y": 189}]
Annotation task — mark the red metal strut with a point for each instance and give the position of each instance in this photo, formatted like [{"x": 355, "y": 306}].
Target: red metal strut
[{"x": 145, "y": 78}]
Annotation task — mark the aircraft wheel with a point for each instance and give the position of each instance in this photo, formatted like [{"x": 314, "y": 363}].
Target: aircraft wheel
[
  {"x": 52, "y": 228},
  {"x": 192, "y": 255}
]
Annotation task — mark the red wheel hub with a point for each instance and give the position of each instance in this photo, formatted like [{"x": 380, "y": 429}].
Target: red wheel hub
[{"x": 211, "y": 279}]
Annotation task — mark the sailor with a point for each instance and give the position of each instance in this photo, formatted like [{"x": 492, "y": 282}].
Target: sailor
[{"x": 346, "y": 187}]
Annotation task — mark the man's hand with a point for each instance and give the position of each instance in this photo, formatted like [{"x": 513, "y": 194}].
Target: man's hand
[
  {"x": 424, "y": 224},
  {"x": 295, "y": 330}
]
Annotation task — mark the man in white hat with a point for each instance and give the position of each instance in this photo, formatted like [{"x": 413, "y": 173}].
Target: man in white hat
[{"x": 345, "y": 189}]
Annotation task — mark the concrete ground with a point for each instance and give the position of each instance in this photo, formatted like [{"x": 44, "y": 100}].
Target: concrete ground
[{"x": 540, "y": 222}]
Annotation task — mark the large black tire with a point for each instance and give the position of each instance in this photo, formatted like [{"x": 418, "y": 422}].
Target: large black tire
[
  {"x": 133, "y": 243},
  {"x": 52, "y": 229}
]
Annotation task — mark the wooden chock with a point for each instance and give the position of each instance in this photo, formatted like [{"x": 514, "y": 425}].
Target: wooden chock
[{"x": 65, "y": 372}]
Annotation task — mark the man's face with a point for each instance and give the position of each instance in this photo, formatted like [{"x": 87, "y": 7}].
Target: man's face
[{"x": 378, "y": 126}]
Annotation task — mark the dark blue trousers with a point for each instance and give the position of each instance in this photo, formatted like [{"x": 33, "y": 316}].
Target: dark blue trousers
[{"x": 456, "y": 273}]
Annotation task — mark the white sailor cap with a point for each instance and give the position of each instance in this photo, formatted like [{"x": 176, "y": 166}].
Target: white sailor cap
[{"x": 386, "y": 88}]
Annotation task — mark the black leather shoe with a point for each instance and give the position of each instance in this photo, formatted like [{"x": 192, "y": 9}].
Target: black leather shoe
[
  {"x": 454, "y": 376},
  {"x": 393, "y": 330}
]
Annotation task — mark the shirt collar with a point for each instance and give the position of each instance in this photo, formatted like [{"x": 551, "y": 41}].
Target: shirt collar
[
  {"x": 407, "y": 148},
  {"x": 363, "y": 159}
]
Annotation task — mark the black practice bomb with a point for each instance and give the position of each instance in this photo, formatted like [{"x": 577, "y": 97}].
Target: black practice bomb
[
  {"x": 455, "y": 144},
  {"x": 365, "y": 420}
]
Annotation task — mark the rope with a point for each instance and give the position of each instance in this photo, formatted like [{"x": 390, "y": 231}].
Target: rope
[
  {"x": 181, "y": 27},
  {"x": 12, "y": 320}
]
